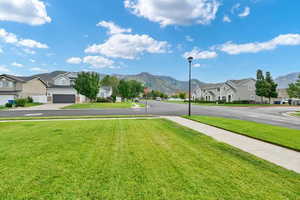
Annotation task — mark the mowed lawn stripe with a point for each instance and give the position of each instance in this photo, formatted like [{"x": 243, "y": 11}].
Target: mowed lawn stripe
[{"x": 131, "y": 159}]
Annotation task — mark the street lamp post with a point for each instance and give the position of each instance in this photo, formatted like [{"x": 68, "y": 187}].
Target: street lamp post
[{"x": 190, "y": 59}]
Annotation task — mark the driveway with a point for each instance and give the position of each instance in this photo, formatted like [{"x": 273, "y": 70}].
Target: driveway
[{"x": 42, "y": 107}]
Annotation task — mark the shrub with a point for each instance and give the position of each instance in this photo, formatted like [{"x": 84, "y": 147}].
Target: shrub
[
  {"x": 21, "y": 102},
  {"x": 104, "y": 100},
  {"x": 9, "y": 105},
  {"x": 29, "y": 99}
]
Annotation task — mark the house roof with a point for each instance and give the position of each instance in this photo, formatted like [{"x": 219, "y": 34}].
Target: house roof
[
  {"x": 23, "y": 79},
  {"x": 218, "y": 85}
]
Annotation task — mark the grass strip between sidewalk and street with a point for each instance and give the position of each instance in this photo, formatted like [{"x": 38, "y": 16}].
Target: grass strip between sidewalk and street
[
  {"x": 227, "y": 104},
  {"x": 297, "y": 114},
  {"x": 285, "y": 137},
  {"x": 103, "y": 105},
  {"x": 136, "y": 159}
]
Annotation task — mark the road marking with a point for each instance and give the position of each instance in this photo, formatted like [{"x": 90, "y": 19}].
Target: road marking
[{"x": 34, "y": 114}]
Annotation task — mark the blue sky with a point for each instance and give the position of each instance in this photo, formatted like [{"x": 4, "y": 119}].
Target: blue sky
[{"x": 230, "y": 39}]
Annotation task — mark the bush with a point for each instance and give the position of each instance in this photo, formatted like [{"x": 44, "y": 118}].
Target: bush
[
  {"x": 21, "y": 102},
  {"x": 29, "y": 99},
  {"x": 243, "y": 102},
  {"x": 105, "y": 100},
  {"x": 8, "y": 105}
]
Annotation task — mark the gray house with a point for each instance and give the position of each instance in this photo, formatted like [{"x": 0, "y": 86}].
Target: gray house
[
  {"x": 231, "y": 90},
  {"x": 61, "y": 88},
  {"x": 14, "y": 87}
]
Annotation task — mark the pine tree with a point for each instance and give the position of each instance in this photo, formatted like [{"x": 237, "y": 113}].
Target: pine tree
[
  {"x": 260, "y": 84},
  {"x": 271, "y": 90}
]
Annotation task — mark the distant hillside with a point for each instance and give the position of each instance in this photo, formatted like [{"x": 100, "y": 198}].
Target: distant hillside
[
  {"x": 164, "y": 84},
  {"x": 284, "y": 81}
]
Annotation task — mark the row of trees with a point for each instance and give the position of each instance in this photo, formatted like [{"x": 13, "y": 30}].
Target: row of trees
[
  {"x": 294, "y": 89},
  {"x": 88, "y": 84},
  {"x": 265, "y": 86}
]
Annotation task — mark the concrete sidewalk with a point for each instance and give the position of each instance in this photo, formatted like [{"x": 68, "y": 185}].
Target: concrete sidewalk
[{"x": 283, "y": 157}]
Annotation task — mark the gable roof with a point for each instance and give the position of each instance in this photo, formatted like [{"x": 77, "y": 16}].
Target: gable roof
[
  {"x": 23, "y": 79},
  {"x": 218, "y": 85}
]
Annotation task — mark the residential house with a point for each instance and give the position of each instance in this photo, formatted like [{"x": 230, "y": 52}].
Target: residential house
[
  {"x": 14, "y": 87},
  {"x": 231, "y": 90},
  {"x": 105, "y": 92},
  {"x": 61, "y": 88}
]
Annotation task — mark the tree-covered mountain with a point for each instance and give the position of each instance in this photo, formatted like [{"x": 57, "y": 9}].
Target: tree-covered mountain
[
  {"x": 284, "y": 81},
  {"x": 163, "y": 84}
]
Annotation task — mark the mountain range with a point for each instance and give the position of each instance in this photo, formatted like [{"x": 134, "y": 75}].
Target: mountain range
[{"x": 169, "y": 85}]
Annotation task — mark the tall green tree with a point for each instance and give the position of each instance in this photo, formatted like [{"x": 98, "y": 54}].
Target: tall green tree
[
  {"x": 261, "y": 86},
  {"x": 294, "y": 89},
  {"x": 136, "y": 88},
  {"x": 271, "y": 91},
  {"x": 124, "y": 89},
  {"x": 88, "y": 84},
  {"x": 130, "y": 89}
]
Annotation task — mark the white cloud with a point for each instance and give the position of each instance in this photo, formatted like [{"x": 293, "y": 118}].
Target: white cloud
[
  {"x": 31, "y": 60},
  {"x": 1, "y": 50},
  {"x": 245, "y": 13},
  {"x": 281, "y": 40},
  {"x": 32, "y": 44},
  {"x": 189, "y": 38},
  {"x": 197, "y": 54},
  {"x": 98, "y": 62},
  {"x": 4, "y": 69},
  {"x": 128, "y": 46},
  {"x": 113, "y": 28},
  {"x": 74, "y": 60},
  {"x": 11, "y": 38},
  {"x": 31, "y": 12},
  {"x": 197, "y": 65},
  {"x": 226, "y": 19},
  {"x": 175, "y": 12},
  {"x": 15, "y": 64},
  {"x": 37, "y": 69},
  {"x": 28, "y": 51}
]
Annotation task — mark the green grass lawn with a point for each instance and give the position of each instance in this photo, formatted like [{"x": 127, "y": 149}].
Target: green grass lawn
[
  {"x": 32, "y": 104},
  {"x": 74, "y": 117},
  {"x": 2, "y": 107},
  {"x": 297, "y": 114},
  {"x": 274, "y": 134},
  {"x": 102, "y": 105},
  {"x": 131, "y": 159},
  {"x": 229, "y": 105}
]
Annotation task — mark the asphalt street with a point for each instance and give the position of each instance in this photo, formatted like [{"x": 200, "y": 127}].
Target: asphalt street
[{"x": 268, "y": 115}]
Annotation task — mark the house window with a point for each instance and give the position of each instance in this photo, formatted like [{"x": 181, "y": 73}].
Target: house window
[
  {"x": 252, "y": 97},
  {"x": 218, "y": 89},
  {"x": 61, "y": 81},
  {"x": 1, "y": 84}
]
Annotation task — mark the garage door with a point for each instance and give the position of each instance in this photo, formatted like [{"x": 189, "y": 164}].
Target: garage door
[
  {"x": 5, "y": 98},
  {"x": 64, "y": 98}
]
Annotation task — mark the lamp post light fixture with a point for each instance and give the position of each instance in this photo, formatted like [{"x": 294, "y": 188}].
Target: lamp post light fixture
[{"x": 190, "y": 59}]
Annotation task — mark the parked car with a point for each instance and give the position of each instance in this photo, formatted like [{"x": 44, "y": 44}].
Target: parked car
[{"x": 158, "y": 99}]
